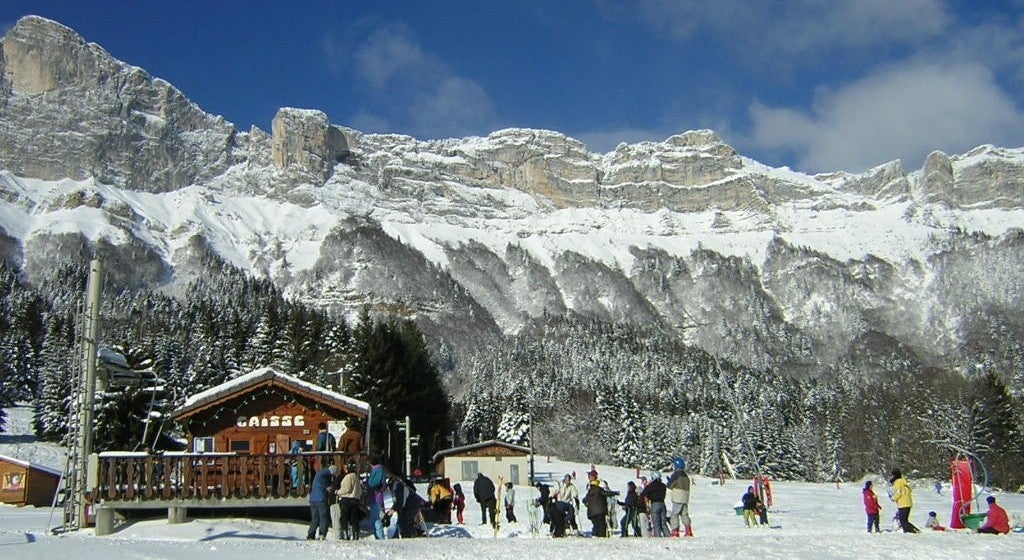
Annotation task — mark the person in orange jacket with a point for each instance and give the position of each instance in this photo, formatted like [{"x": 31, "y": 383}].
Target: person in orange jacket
[{"x": 996, "y": 520}]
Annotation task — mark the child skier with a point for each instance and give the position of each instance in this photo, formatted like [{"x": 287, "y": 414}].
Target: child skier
[{"x": 871, "y": 507}]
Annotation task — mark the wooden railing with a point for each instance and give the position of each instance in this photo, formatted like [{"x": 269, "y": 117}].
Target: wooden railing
[{"x": 200, "y": 476}]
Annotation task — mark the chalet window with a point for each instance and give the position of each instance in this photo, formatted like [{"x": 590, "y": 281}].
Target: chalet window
[
  {"x": 497, "y": 459},
  {"x": 513, "y": 474},
  {"x": 239, "y": 445},
  {"x": 202, "y": 445},
  {"x": 13, "y": 481},
  {"x": 470, "y": 470}
]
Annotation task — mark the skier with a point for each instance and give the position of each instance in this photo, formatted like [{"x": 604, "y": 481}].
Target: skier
[
  {"x": 544, "y": 500},
  {"x": 440, "y": 494},
  {"x": 567, "y": 494},
  {"x": 750, "y": 501},
  {"x": 375, "y": 484},
  {"x": 323, "y": 485},
  {"x": 904, "y": 498},
  {"x": 350, "y": 498},
  {"x": 679, "y": 486},
  {"x": 483, "y": 491},
  {"x": 632, "y": 504},
  {"x": 655, "y": 496},
  {"x": 871, "y": 507},
  {"x": 459, "y": 502},
  {"x": 509, "y": 500},
  {"x": 406, "y": 503},
  {"x": 596, "y": 501}
]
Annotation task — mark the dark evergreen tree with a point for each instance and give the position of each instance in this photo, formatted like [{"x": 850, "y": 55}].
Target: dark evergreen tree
[{"x": 394, "y": 373}]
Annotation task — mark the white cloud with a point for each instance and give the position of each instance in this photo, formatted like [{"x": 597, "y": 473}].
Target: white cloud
[
  {"x": 901, "y": 112},
  {"x": 797, "y": 31},
  {"x": 415, "y": 90},
  {"x": 389, "y": 53}
]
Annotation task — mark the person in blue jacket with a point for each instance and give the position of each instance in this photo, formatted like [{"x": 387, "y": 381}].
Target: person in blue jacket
[{"x": 319, "y": 516}]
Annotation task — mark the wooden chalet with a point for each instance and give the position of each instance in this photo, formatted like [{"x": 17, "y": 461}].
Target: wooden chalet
[
  {"x": 27, "y": 484},
  {"x": 239, "y": 436},
  {"x": 496, "y": 459},
  {"x": 263, "y": 412}
]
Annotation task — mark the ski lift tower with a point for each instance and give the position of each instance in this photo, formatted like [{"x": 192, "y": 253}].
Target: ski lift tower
[{"x": 75, "y": 482}]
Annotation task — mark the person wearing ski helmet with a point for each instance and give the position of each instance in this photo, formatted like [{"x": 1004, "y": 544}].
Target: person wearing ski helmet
[{"x": 679, "y": 493}]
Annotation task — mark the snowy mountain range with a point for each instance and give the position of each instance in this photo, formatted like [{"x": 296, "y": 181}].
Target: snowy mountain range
[{"x": 478, "y": 237}]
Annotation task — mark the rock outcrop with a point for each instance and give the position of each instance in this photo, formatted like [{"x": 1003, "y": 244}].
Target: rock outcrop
[
  {"x": 82, "y": 114},
  {"x": 306, "y": 140}
]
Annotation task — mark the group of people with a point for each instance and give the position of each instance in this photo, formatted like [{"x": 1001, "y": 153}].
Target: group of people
[
  {"x": 339, "y": 497},
  {"x": 485, "y": 493},
  {"x": 996, "y": 519},
  {"x": 645, "y": 508}
]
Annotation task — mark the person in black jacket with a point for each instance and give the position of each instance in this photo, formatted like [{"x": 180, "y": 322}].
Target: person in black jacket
[
  {"x": 483, "y": 491},
  {"x": 750, "y": 504},
  {"x": 597, "y": 505},
  {"x": 406, "y": 504},
  {"x": 655, "y": 496},
  {"x": 543, "y": 501},
  {"x": 633, "y": 504}
]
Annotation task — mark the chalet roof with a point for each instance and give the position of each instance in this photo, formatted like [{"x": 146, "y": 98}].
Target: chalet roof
[
  {"x": 263, "y": 376},
  {"x": 30, "y": 465},
  {"x": 479, "y": 445}
]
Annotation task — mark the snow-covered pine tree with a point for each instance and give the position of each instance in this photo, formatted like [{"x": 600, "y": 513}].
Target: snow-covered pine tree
[
  {"x": 60, "y": 367},
  {"x": 514, "y": 426},
  {"x": 629, "y": 450},
  {"x": 264, "y": 342}
]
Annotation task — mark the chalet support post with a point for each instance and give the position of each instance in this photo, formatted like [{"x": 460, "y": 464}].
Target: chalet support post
[
  {"x": 532, "y": 473},
  {"x": 176, "y": 514},
  {"x": 104, "y": 521},
  {"x": 90, "y": 333},
  {"x": 368, "y": 430},
  {"x": 408, "y": 448}
]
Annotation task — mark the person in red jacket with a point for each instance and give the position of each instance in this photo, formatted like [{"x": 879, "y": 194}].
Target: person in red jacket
[
  {"x": 996, "y": 520},
  {"x": 871, "y": 507}
]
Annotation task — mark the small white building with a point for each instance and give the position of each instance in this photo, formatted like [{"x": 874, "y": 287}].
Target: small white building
[{"x": 496, "y": 459}]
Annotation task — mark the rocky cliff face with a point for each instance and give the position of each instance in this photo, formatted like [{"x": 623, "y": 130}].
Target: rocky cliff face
[
  {"x": 107, "y": 120},
  {"x": 480, "y": 236}
]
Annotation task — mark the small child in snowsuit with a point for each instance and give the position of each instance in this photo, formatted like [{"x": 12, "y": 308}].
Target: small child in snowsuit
[
  {"x": 510, "y": 503},
  {"x": 933, "y": 522},
  {"x": 871, "y": 507},
  {"x": 750, "y": 503},
  {"x": 459, "y": 502}
]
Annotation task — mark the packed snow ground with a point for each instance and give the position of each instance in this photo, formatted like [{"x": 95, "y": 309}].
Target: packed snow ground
[{"x": 808, "y": 521}]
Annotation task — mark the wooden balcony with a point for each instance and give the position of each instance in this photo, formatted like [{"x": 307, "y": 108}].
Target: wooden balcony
[{"x": 139, "y": 480}]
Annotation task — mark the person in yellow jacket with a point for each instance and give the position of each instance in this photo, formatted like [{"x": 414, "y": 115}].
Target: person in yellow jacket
[
  {"x": 441, "y": 497},
  {"x": 904, "y": 498}
]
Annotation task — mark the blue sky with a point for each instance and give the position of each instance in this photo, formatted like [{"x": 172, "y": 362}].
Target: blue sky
[{"x": 818, "y": 85}]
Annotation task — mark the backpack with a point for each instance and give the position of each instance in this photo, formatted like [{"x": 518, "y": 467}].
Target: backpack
[{"x": 376, "y": 479}]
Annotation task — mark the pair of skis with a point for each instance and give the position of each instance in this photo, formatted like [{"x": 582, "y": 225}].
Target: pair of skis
[{"x": 495, "y": 519}]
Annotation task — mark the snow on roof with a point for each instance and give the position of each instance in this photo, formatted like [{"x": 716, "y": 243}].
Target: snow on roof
[
  {"x": 260, "y": 375},
  {"x": 478, "y": 445},
  {"x": 27, "y": 464}
]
